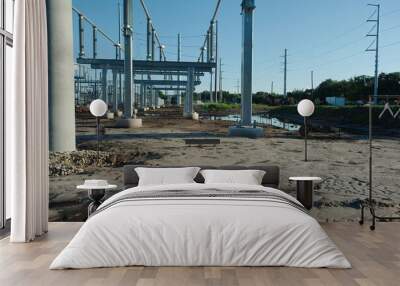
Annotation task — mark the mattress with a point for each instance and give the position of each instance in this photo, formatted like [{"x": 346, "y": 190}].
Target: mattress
[{"x": 201, "y": 225}]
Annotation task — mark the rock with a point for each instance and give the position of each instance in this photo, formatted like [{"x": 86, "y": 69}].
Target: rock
[{"x": 67, "y": 163}]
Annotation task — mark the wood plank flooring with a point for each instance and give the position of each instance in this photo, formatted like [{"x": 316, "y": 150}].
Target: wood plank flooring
[{"x": 375, "y": 257}]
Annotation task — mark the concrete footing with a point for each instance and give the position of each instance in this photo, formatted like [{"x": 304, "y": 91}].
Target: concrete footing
[
  {"x": 195, "y": 116},
  {"x": 110, "y": 115},
  {"x": 246, "y": 131},
  {"x": 129, "y": 123}
]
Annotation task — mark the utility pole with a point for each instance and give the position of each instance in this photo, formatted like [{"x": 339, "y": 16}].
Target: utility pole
[
  {"x": 272, "y": 87},
  {"x": 238, "y": 87},
  {"x": 376, "y": 49},
  {"x": 285, "y": 73},
  {"x": 312, "y": 82},
  {"x": 216, "y": 61},
  {"x": 220, "y": 79},
  {"x": 178, "y": 94}
]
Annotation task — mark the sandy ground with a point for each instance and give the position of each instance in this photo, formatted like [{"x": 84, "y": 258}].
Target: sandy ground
[{"x": 342, "y": 163}]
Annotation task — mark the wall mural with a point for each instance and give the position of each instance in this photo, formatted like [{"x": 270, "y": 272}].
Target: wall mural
[{"x": 163, "y": 118}]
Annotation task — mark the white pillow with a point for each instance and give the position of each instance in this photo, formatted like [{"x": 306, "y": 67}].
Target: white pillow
[
  {"x": 166, "y": 176},
  {"x": 246, "y": 177}
]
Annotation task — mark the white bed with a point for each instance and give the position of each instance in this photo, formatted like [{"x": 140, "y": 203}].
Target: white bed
[{"x": 200, "y": 231}]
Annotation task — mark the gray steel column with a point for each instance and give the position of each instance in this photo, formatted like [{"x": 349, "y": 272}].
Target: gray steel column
[
  {"x": 145, "y": 101},
  {"x": 128, "y": 70},
  {"x": 211, "y": 87},
  {"x": 149, "y": 36},
  {"x": 141, "y": 96},
  {"x": 216, "y": 60},
  {"x": 161, "y": 52},
  {"x": 247, "y": 60},
  {"x": 156, "y": 99},
  {"x": 81, "y": 37},
  {"x": 178, "y": 93},
  {"x": 104, "y": 86},
  {"x": 188, "y": 107},
  {"x": 150, "y": 96},
  {"x": 208, "y": 46},
  {"x": 212, "y": 24},
  {"x": 94, "y": 42},
  {"x": 153, "y": 43},
  {"x": 61, "y": 76},
  {"x": 114, "y": 92}
]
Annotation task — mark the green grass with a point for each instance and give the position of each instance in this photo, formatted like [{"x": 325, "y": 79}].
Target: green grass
[
  {"x": 351, "y": 114},
  {"x": 213, "y": 107}
]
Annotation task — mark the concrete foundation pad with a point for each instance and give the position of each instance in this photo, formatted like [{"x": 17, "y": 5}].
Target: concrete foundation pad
[
  {"x": 246, "y": 131},
  {"x": 129, "y": 123},
  {"x": 110, "y": 115},
  {"x": 195, "y": 116},
  {"x": 188, "y": 115}
]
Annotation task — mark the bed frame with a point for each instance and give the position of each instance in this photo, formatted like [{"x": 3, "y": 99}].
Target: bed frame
[{"x": 270, "y": 179}]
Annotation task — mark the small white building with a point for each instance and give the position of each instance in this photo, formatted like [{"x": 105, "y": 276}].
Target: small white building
[{"x": 336, "y": 101}]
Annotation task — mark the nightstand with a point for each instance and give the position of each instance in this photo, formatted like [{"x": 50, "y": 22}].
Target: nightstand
[
  {"x": 96, "y": 193},
  {"x": 305, "y": 190}
]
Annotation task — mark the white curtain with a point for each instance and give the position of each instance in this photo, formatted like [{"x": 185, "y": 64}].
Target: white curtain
[{"x": 27, "y": 124}]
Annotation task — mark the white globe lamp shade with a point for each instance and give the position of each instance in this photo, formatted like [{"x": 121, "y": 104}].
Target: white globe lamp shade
[
  {"x": 98, "y": 108},
  {"x": 305, "y": 108}
]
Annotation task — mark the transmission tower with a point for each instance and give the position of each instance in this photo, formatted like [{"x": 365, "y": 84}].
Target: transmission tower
[{"x": 374, "y": 32}]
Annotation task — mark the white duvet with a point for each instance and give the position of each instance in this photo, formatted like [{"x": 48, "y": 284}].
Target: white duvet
[{"x": 202, "y": 232}]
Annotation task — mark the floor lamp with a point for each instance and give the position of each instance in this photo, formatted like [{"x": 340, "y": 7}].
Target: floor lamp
[
  {"x": 305, "y": 108},
  {"x": 98, "y": 108}
]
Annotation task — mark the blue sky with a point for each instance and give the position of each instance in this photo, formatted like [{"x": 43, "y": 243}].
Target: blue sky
[{"x": 327, "y": 36}]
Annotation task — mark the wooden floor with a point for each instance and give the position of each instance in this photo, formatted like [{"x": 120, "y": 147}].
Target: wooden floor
[{"x": 375, "y": 257}]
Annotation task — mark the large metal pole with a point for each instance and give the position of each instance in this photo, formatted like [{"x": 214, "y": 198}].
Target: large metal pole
[
  {"x": 216, "y": 60},
  {"x": 188, "y": 107},
  {"x": 61, "y": 76},
  {"x": 114, "y": 93},
  {"x": 128, "y": 70},
  {"x": 81, "y": 37},
  {"x": 153, "y": 44},
  {"x": 208, "y": 45},
  {"x": 161, "y": 52},
  {"x": 285, "y": 73},
  {"x": 119, "y": 97},
  {"x": 211, "y": 87},
  {"x": 104, "y": 86},
  {"x": 149, "y": 37},
  {"x": 376, "y": 83},
  {"x": 220, "y": 80},
  {"x": 248, "y": 7},
  {"x": 178, "y": 94},
  {"x": 211, "y": 43},
  {"x": 94, "y": 42},
  {"x": 141, "y": 96}
]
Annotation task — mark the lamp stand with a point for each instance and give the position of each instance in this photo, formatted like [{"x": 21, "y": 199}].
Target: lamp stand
[
  {"x": 305, "y": 138},
  {"x": 98, "y": 138},
  {"x": 370, "y": 203}
]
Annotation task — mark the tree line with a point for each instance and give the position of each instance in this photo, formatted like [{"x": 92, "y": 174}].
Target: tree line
[{"x": 354, "y": 90}]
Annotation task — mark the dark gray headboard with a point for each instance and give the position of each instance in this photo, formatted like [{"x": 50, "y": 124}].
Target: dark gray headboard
[{"x": 271, "y": 178}]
